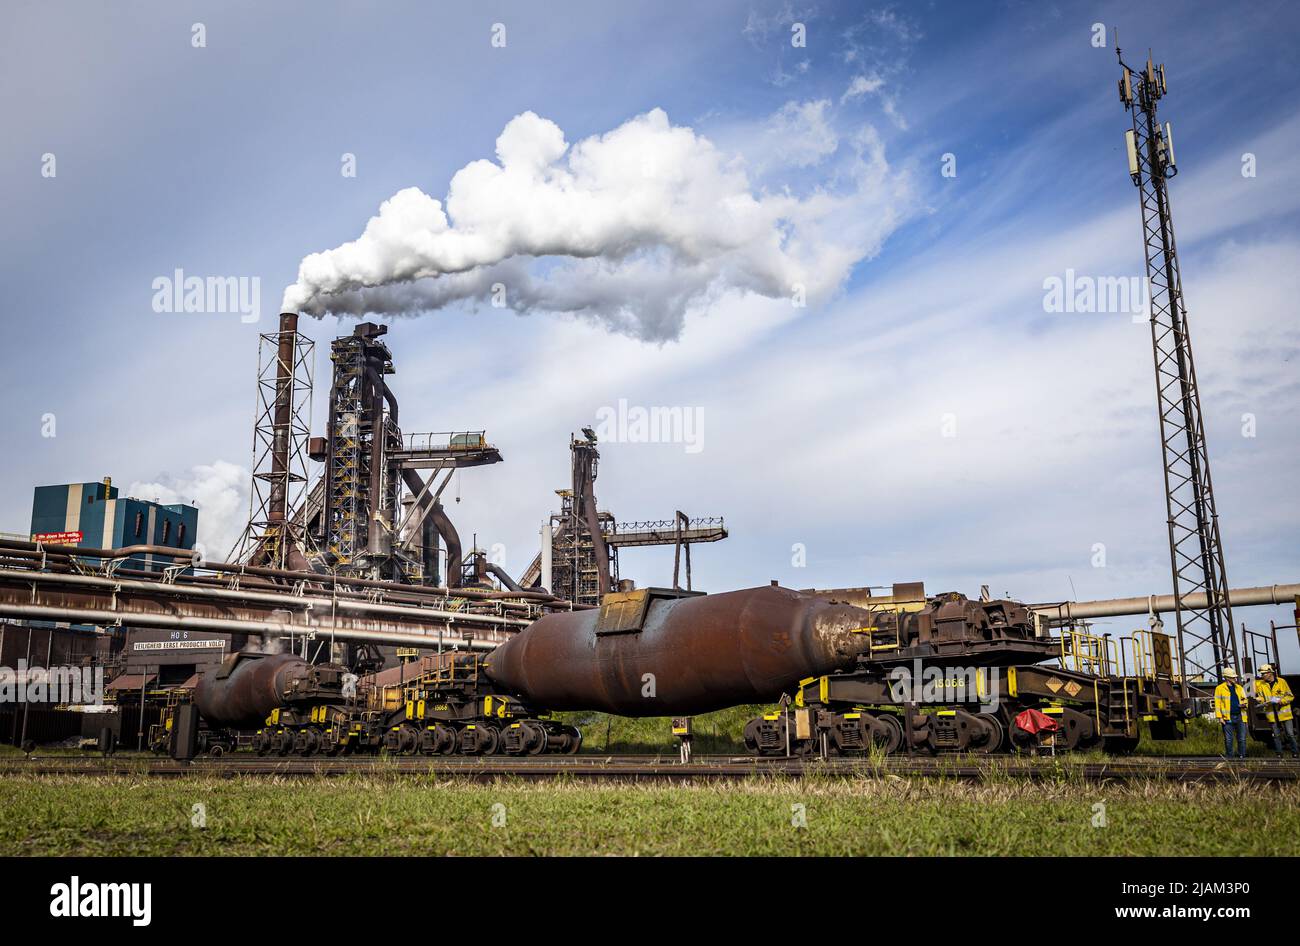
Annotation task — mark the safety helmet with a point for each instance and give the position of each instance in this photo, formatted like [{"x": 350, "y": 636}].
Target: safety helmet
[
  {"x": 1267, "y": 668},
  {"x": 1230, "y": 673}
]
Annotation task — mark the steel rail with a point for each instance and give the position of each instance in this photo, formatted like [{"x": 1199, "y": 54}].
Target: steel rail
[{"x": 666, "y": 768}]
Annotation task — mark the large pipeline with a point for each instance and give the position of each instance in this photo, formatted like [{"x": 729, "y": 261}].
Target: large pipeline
[
  {"x": 283, "y": 600},
  {"x": 436, "y": 519},
  {"x": 691, "y": 655},
  {"x": 451, "y": 538},
  {"x": 503, "y": 576},
  {"x": 443, "y": 637},
  {"x": 325, "y": 580},
  {"x": 1163, "y": 604}
]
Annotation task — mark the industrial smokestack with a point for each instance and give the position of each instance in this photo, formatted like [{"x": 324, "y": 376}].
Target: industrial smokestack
[{"x": 283, "y": 415}]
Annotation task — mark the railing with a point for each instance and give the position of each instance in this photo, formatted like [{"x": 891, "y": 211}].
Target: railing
[
  {"x": 1142, "y": 648},
  {"x": 669, "y": 525},
  {"x": 1259, "y": 647},
  {"x": 1086, "y": 653}
]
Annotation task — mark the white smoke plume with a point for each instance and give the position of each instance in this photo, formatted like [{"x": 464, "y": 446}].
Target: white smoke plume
[
  {"x": 219, "y": 490},
  {"x": 631, "y": 228}
]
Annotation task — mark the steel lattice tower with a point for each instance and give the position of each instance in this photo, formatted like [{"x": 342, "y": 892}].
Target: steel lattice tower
[
  {"x": 280, "y": 432},
  {"x": 1205, "y": 634}
]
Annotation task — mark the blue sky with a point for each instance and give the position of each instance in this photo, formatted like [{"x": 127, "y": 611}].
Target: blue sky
[{"x": 822, "y": 425}]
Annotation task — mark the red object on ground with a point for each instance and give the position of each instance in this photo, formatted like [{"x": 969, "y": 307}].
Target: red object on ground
[{"x": 1034, "y": 722}]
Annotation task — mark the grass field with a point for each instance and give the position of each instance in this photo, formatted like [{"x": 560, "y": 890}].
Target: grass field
[{"x": 404, "y": 814}]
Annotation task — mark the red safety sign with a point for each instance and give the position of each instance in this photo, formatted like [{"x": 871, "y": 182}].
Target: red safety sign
[{"x": 58, "y": 538}]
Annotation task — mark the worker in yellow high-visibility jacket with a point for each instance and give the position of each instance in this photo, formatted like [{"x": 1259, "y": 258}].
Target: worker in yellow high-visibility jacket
[
  {"x": 1274, "y": 695},
  {"x": 1230, "y": 710}
]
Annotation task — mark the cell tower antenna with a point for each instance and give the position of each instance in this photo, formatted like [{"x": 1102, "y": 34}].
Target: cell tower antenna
[{"x": 1206, "y": 637}]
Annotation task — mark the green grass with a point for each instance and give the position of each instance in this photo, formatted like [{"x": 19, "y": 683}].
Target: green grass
[
  {"x": 416, "y": 815},
  {"x": 1204, "y": 738},
  {"x": 719, "y": 733}
]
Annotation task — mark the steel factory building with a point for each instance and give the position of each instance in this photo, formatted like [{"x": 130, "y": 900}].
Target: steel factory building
[{"x": 92, "y": 516}]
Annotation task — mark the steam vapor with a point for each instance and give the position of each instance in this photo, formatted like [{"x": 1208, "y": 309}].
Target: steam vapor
[
  {"x": 220, "y": 491},
  {"x": 632, "y": 228}
]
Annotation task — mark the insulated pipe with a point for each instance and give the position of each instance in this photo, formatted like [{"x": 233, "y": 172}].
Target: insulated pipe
[
  {"x": 452, "y": 540},
  {"x": 1161, "y": 604},
  {"x": 503, "y": 577},
  {"x": 283, "y": 600},
  {"x": 235, "y": 626},
  {"x": 597, "y": 543},
  {"x": 26, "y": 573},
  {"x": 183, "y": 556},
  {"x": 440, "y": 522},
  {"x": 429, "y": 550}
]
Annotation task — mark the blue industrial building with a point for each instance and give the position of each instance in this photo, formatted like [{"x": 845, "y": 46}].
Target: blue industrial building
[{"x": 91, "y": 515}]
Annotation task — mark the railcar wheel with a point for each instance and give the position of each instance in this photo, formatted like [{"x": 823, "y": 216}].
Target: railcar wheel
[
  {"x": 408, "y": 739},
  {"x": 1119, "y": 745},
  {"x": 574, "y": 740},
  {"x": 536, "y": 738},
  {"x": 489, "y": 740},
  {"x": 309, "y": 741},
  {"x": 444, "y": 739},
  {"x": 1093, "y": 738},
  {"x": 995, "y": 736},
  {"x": 1074, "y": 731},
  {"x": 887, "y": 733}
]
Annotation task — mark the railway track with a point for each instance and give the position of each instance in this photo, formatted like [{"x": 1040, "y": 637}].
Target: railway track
[{"x": 667, "y": 768}]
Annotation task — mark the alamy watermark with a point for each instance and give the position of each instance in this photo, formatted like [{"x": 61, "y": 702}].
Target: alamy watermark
[
  {"x": 945, "y": 685},
  {"x": 74, "y": 899},
  {"x": 636, "y": 424},
  {"x": 73, "y": 685},
  {"x": 212, "y": 295},
  {"x": 1125, "y": 295}
]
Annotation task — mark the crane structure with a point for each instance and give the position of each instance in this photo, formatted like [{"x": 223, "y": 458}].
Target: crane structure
[
  {"x": 579, "y": 554},
  {"x": 1205, "y": 632}
]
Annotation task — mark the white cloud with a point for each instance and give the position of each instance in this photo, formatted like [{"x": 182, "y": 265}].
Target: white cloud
[
  {"x": 862, "y": 85},
  {"x": 801, "y": 134},
  {"x": 219, "y": 490},
  {"x": 632, "y": 228}
]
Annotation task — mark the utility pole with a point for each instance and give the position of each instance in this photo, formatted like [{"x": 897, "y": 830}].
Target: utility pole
[{"x": 1206, "y": 637}]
